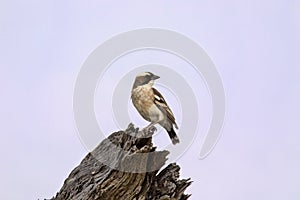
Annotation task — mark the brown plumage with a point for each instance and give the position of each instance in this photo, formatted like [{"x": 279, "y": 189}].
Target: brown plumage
[{"x": 151, "y": 104}]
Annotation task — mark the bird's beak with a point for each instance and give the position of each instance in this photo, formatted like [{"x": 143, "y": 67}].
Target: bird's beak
[{"x": 154, "y": 77}]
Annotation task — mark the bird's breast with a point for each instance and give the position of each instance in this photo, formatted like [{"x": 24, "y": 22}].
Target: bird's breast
[{"x": 142, "y": 100}]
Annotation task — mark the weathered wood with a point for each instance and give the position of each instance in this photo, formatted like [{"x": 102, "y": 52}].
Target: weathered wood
[{"x": 125, "y": 166}]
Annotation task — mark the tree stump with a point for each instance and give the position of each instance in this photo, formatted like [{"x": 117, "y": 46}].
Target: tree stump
[{"x": 125, "y": 166}]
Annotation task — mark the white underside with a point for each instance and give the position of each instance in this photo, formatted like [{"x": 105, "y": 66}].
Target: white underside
[{"x": 156, "y": 114}]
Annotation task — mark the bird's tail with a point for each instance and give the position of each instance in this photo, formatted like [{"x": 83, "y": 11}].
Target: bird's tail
[{"x": 173, "y": 136}]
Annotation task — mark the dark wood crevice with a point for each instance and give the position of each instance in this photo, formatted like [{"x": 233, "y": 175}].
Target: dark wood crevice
[{"x": 132, "y": 172}]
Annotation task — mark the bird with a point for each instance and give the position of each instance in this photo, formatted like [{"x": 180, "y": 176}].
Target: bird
[{"x": 151, "y": 105}]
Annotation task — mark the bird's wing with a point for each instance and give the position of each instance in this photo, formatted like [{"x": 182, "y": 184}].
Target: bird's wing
[{"x": 163, "y": 106}]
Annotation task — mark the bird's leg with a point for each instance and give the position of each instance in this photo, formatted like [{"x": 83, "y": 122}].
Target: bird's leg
[
  {"x": 151, "y": 128},
  {"x": 152, "y": 124}
]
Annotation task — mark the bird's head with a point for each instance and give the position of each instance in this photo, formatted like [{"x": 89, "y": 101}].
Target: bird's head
[{"x": 145, "y": 78}]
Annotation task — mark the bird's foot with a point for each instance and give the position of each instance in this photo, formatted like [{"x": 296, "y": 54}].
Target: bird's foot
[
  {"x": 149, "y": 130},
  {"x": 152, "y": 129}
]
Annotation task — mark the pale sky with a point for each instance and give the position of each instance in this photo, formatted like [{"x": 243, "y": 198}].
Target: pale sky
[{"x": 254, "y": 44}]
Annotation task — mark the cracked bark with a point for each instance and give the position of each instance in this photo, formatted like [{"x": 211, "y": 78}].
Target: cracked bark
[{"x": 125, "y": 166}]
